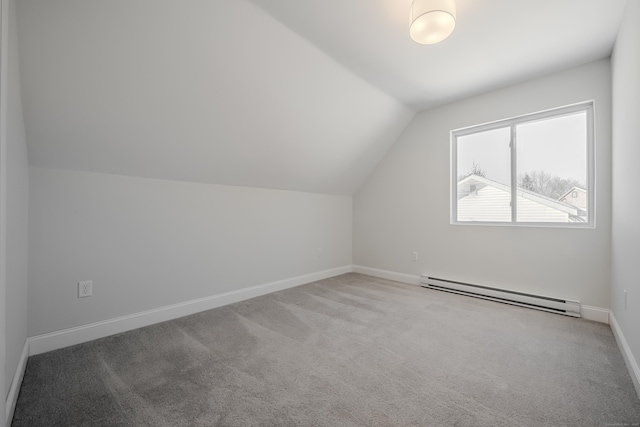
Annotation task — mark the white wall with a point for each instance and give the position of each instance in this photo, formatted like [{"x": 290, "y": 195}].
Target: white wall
[
  {"x": 625, "y": 64},
  {"x": 14, "y": 190},
  {"x": 4, "y": 31},
  {"x": 404, "y": 204},
  {"x": 149, "y": 243},
  {"x": 17, "y": 213}
]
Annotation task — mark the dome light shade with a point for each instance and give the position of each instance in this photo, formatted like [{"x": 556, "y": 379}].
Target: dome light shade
[{"x": 432, "y": 21}]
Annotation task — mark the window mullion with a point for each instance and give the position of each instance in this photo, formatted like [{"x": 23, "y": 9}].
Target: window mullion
[{"x": 514, "y": 178}]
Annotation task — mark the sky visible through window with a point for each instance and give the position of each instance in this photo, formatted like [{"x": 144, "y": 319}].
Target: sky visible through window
[{"x": 556, "y": 146}]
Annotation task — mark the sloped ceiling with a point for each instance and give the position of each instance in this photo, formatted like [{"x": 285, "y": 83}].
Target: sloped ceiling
[
  {"x": 288, "y": 94},
  {"x": 204, "y": 91},
  {"x": 495, "y": 42}
]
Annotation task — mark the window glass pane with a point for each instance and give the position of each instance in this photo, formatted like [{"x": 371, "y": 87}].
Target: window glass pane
[
  {"x": 484, "y": 176},
  {"x": 551, "y": 168}
]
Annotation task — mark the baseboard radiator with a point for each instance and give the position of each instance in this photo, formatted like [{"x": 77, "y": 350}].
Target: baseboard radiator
[{"x": 553, "y": 305}]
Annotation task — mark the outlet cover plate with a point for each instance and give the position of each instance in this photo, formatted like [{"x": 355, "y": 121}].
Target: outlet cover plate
[{"x": 85, "y": 289}]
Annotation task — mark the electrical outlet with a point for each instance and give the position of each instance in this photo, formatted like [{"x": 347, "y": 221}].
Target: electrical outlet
[
  {"x": 85, "y": 289},
  {"x": 415, "y": 256}
]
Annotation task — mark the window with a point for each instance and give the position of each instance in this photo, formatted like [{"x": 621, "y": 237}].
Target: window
[{"x": 534, "y": 170}]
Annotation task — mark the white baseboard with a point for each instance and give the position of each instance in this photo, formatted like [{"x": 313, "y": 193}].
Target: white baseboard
[
  {"x": 632, "y": 364},
  {"x": 587, "y": 312},
  {"x": 596, "y": 314},
  {"x": 386, "y": 274},
  {"x": 68, "y": 337},
  {"x": 12, "y": 397}
]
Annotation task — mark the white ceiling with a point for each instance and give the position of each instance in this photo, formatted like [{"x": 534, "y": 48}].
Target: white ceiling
[
  {"x": 495, "y": 43},
  {"x": 288, "y": 94}
]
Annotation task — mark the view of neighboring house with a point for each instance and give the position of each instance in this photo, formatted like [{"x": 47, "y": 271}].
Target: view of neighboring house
[
  {"x": 575, "y": 197},
  {"x": 484, "y": 200}
]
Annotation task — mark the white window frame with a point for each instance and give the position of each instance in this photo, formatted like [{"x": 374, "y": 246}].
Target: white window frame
[{"x": 588, "y": 107}]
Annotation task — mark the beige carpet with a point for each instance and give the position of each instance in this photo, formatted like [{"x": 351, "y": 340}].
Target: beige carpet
[{"x": 347, "y": 351}]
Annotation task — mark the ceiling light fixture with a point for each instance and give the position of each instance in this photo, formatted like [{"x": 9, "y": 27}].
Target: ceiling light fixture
[{"x": 432, "y": 21}]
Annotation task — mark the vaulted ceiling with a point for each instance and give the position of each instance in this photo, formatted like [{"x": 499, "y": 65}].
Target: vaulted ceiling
[
  {"x": 295, "y": 95},
  {"x": 495, "y": 42}
]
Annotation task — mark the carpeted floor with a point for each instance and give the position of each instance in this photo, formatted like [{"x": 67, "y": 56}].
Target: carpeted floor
[{"x": 347, "y": 351}]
